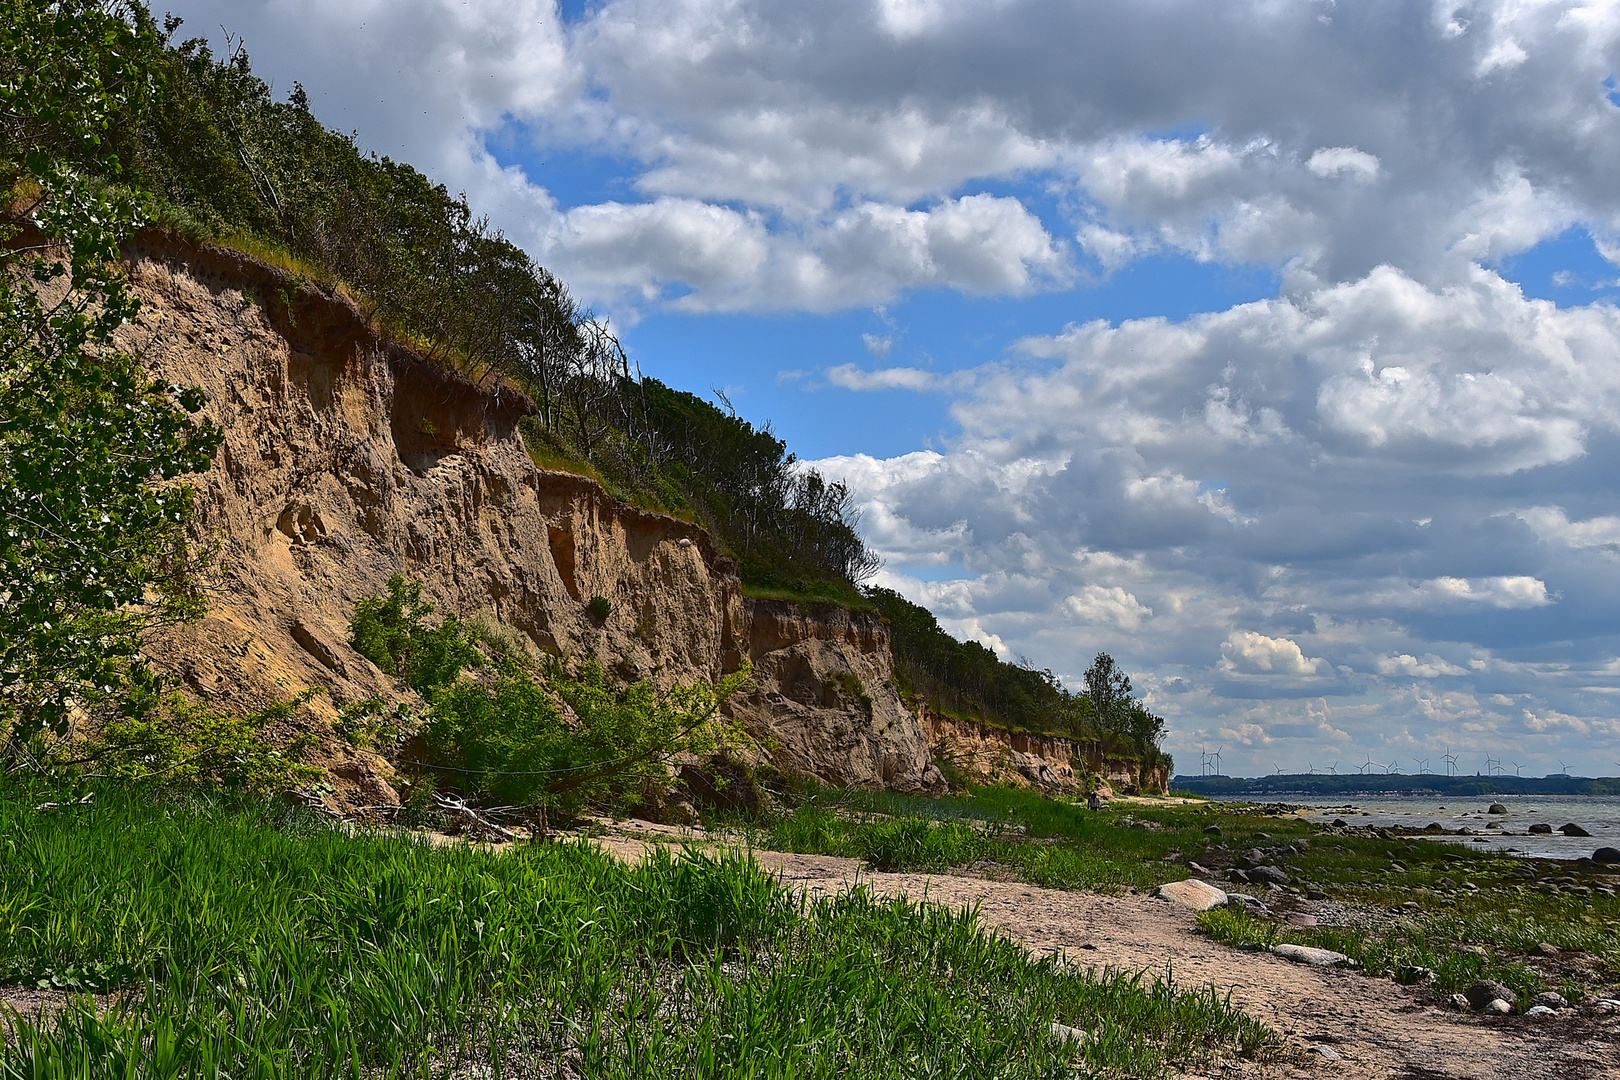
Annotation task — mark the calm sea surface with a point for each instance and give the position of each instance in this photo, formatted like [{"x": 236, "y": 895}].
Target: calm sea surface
[{"x": 1598, "y": 814}]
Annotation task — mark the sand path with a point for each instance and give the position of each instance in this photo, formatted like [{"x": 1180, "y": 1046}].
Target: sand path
[{"x": 1337, "y": 1023}]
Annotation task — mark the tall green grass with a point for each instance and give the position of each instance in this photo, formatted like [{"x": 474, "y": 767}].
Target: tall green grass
[{"x": 245, "y": 939}]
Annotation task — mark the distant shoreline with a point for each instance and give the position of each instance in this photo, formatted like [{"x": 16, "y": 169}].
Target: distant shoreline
[{"x": 1422, "y": 784}]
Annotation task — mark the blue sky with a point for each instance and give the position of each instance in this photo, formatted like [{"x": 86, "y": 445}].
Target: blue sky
[{"x": 1271, "y": 347}]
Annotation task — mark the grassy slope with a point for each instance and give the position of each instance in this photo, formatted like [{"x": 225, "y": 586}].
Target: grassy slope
[{"x": 262, "y": 941}]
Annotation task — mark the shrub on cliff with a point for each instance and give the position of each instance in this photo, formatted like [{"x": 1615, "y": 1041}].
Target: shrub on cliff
[{"x": 393, "y": 632}]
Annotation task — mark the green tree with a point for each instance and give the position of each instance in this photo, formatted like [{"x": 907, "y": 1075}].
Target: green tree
[
  {"x": 93, "y": 543},
  {"x": 1109, "y": 689}
]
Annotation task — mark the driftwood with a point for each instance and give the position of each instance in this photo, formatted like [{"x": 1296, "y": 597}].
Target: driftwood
[{"x": 471, "y": 822}]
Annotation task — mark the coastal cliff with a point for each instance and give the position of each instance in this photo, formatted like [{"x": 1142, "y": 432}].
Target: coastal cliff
[
  {"x": 1050, "y": 763},
  {"x": 349, "y": 458}
]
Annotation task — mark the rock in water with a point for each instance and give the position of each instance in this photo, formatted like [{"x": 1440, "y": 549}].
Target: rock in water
[
  {"x": 1485, "y": 991},
  {"x": 1304, "y": 954},
  {"x": 1192, "y": 893},
  {"x": 1606, "y": 855},
  {"x": 1541, "y": 828},
  {"x": 1497, "y": 808},
  {"x": 1573, "y": 829}
]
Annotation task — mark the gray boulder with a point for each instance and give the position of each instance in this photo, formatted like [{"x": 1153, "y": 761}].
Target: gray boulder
[
  {"x": 1541, "y": 828},
  {"x": 1485, "y": 991},
  {"x": 1192, "y": 893},
  {"x": 1573, "y": 829},
  {"x": 1274, "y": 874},
  {"x": 1606, "y": 855},
  {"x": 1497, "y": 808},
  {"x": 1304, "y": 954},
  {"x": 1551, "y": 999},
  {"x": 1498, "y": 1007}
]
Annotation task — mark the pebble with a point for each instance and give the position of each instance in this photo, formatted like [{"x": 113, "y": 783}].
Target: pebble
[
  {"x": 1325, "y": 1051},
  {"x": 1538, "y": 1011},
  {"x": 1304, "y": 954},
  {"x": 1498, "y": 1007}
]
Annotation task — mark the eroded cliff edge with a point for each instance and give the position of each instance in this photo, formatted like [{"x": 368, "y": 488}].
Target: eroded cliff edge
[{"x": 348, "y": 459}]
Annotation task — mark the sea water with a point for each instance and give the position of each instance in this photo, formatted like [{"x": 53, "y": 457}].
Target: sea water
[{"x": 1597, "y": 814}]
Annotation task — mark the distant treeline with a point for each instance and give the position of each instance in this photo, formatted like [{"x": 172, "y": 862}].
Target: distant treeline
[
  {"x": 968, "y": 680},
  {"x": 218, "y": 158},
  {"x": 1315, "y": 784}
]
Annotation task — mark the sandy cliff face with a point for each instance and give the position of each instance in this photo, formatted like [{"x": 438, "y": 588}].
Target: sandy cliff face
[
  {"x": 1020, "y": 759},
  {"x": 347, "y": 460}
]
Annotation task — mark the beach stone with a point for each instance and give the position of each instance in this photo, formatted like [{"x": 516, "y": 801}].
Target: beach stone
[
  {"x": 1497, "y": 808},
  {"x": 1573, "y": 829},
  {"x": 1239, "y": 875},
  {"x": 1544, "y": 949},
  {"x": 1398, "y": 867},
  {"x": 1274, "y": 874},
  {"x": 1434, "y": 827},
  {"x": 1304, "y": 954},
  {"x": 1212, "y": 830},
  {"x": 1606, "y": 855},
  {"x": 1538, "y": 1011},
  {"x": 1485, "y": 991},
  {"x": 1498, "y": 1007},
  {"x": 1340, "y": 823},
  {"x": 1201, "y": 871},
  {"x": 1541, "y": 828},
  {"x": 1551, "y": 999},
  {"x": 1192, "y": 893},
  {"x": 1326, "y": 1052},
  {"x": 1299, "y": 918},
  {"x": 1459, "y": 1002},
  {"x": 1315, "y": 894}
]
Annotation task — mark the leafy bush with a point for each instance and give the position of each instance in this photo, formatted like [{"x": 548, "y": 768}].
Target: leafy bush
[
  {"x": 187, "y": 742},
  {"x": 510, "y": 743},
  {"x": 392, "y": 632},
  {"x": 600, "y": 607}
]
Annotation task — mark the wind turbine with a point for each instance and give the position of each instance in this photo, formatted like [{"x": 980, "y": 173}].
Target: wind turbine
[
  {"x": 1312, "y": 766},
  {"x": 1218, "y": 761},
  {"x": 1450, "y": 760},
  {"x": 1334, "y": 768},
  {"x": 1393, "y": 767},
  {"x": 1518, "y": 770},
  {"x": 1422, "y": 764}
]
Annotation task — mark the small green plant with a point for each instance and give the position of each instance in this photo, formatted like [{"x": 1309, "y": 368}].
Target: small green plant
[
  {"x": 372, "y": 721},
  {"x": 600, "y": 608},
  {"x": 392, "y": 632},
  {"x": 852, "y": 686}
]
